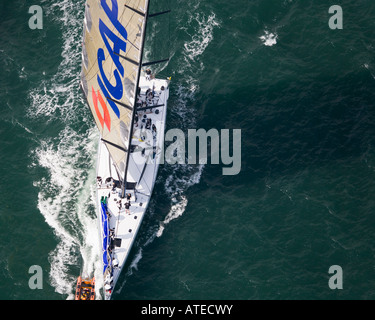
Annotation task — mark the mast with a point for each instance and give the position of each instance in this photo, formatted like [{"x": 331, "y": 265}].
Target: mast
[{"x": 123, "y": 189}]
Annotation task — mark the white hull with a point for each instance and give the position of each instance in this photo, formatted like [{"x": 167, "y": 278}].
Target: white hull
[{"x": 126, "y": 223}]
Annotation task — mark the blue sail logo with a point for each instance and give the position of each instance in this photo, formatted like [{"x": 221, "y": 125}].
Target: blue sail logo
[{"x": 114, "y": 45}]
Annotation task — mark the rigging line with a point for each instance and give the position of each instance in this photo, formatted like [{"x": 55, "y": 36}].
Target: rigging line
[
  {"x": 115, "y": 165},
  {"x": 126, "y": 6},
  {"x": 120, "y": 103},
  {"x": 148, "y": 187},
  {"x": 115, "y": 145},
  {"x": 132, "y": 44},
  {"x": 127, "y": 59},
  {"x": 143, "y": 194},
  {"x": 135, "y": 10},
  {"x": 150, "y": 107},
  {"x": 136, "y": 165},
  {"x": 109, "y": 163},
  {"x": 155, "y": 166},
  {"x": 143, "y": 172},
  {"x": 154, "y": 62}
]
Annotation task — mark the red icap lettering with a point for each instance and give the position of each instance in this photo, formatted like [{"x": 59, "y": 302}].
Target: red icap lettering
[{"x": 103, "y": 119}]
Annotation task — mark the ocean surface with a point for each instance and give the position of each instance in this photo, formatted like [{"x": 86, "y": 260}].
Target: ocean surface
[{"x": 303, "y": 96}]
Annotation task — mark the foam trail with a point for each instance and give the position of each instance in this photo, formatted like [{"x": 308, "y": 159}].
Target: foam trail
[
  {"x": 133, "y": 266},
  {"x": 176, "y": 211},
  {"x": 202, "y": 37},
  {"x": 65, "y": 196},
  {"x": 176, "y": 188},
  {"x": 64, "y": 200}
]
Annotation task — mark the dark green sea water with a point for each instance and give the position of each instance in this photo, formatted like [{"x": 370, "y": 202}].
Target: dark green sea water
[{"x": 303, "y": 96}]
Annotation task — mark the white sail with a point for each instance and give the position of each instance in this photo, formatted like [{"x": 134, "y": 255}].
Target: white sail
[{"x": 111, "y": 59}]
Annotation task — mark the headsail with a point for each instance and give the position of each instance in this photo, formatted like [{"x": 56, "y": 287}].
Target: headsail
[{"x": 113, "y": 40}]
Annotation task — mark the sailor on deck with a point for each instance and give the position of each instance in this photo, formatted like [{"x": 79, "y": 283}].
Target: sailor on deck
[
  {"x": 148, "y": 74},
  {"x": 127, "y": 205},
  {"x": 119, "y": 204}
]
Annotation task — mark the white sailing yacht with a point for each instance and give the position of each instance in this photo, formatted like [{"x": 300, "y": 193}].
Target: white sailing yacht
[{"x": 129, "y": 106}]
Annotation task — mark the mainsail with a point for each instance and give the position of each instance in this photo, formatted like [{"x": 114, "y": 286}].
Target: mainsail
[{"x": 113, "y": 40}]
